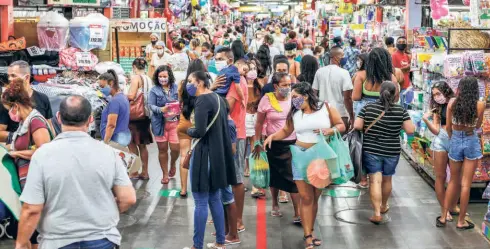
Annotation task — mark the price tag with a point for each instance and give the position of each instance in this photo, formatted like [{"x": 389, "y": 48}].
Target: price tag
[
  {"x": 84, "y": 59},
  {"x": 35, "y": 51},
  {"x": 96, "y": 35}
]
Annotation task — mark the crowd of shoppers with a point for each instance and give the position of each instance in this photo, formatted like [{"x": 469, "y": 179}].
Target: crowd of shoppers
[{"x": 215, "y": 101}]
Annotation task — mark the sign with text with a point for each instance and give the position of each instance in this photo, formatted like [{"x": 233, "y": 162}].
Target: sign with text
[
  {"x": 96, "y": 35},
  {"x": 84, "y": 59},
  {"x": 140, "y": 25}
]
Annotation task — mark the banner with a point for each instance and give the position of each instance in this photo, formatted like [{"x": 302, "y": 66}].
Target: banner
[{"x": 140, "y": 25}]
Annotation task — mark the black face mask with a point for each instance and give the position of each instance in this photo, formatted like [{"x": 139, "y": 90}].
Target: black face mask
[
  {"x": 153, "y": 43},
  {"x": 401, "y": 47}
]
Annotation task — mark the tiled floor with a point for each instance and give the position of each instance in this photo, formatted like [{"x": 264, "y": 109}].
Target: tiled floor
[{"x": 166, "y": 223}]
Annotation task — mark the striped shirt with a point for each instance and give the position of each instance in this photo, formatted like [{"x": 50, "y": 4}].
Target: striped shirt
[{"x": 383, "y": 138}]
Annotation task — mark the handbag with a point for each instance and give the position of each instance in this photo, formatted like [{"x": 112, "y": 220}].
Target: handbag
[
  {"x": 187, "y": 159},
  {"x": 137, "y": 106}
]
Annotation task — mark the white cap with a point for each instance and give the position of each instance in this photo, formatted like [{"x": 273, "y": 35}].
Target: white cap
[
  {"x": 155, "y": 35},
  {"x": 161, "y": 43}
]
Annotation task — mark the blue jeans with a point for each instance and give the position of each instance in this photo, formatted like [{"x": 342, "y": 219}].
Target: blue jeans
[
  {"x": 375, "y": 163},
  {"x": 93, "y": 244},
  {"x": 464, "y": 145},
  {"x": 201, "y": 201}
]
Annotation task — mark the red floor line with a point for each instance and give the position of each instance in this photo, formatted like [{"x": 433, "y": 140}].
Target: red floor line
[{"x": 261, "y": 225}]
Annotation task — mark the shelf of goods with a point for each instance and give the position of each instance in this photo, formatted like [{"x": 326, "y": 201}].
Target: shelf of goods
[{"x": 417, "y": 148}]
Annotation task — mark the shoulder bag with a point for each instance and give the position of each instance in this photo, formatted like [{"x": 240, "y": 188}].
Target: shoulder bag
[
  {"x": 137, "y": 106},
  {"x": 187, "y": 159},
  {"x": 374, "y": 122}
]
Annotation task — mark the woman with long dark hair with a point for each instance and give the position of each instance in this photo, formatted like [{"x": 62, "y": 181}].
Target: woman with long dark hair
[
  {"x": 238, "y": 50},
  {"x": 367, "y": 83},
  {"x": 291, "y": 52},
  {"x": 464, "y": 116},
  {"x": 187, "y": 106},
  {"x": 307, "y": 117},
  {"x": 273, "y": 111},
  {"x": 382, "y": 119},
  {"x": 164, "y": 120},
  {"x": 309, "y": 66},
  {"x": 264, "y": 57},
  {"x": 211, "y": 165},
  {"x": 441, "y": 94}
]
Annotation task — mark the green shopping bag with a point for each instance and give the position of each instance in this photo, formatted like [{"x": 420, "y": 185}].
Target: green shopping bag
[
  {"x": 344, "y": 162},
  {"x": 321, "y": 150},
  {"x": 259, "y": 170}
]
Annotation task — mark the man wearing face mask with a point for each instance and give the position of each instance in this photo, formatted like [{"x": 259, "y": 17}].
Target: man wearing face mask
[
  {"x": 151, "y": 48},
  {"x": 21, "y": 69},
  {"x": 281, "y": 65},
  {"x": 256, "y": 42},
  {"x": 402, "y": 60},
  {"x": 160, "y": 58},
  {"x": 224, "y": 65},
  {"x": 351, "y": 55},
  {"x": 333, "y": 84}
]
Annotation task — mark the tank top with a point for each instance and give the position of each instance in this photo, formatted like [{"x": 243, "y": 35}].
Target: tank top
[
  {"x": 368, "y": 93},
  {"x": 305, "y": 124}
]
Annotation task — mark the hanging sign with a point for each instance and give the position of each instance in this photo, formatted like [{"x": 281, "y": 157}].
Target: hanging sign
[
  {"x": 140, "y": 25},
  {"x": 96, "y": 35},
  {"x": 84, "y": 59}
]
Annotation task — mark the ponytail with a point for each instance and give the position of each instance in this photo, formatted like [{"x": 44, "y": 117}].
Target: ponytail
[
  {"x": 387, "y": 95},
  {"x": 111, "y": 76}
]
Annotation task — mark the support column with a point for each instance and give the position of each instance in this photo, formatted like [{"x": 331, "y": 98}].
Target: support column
[{"x": 6, "y": 19}]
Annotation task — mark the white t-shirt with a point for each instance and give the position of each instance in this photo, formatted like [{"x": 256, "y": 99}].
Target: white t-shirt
[
  {"x": 157, "y": 61},
  {"x": 279, "y": 42},
  {"x": 331, "y": 82},
  {"x": 150, "y": 49},
  {"x": 273, "y": 51}
]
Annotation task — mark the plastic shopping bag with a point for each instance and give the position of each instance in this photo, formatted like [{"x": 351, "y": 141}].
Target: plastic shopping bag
[
  {"x": 303, "y": 157},
  {"x": 259, "y": 170},
  {"x": 344, "y": 162},
  {"x": 354, "y": 141}
]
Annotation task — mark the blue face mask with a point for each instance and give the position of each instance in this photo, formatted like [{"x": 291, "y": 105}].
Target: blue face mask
[
  {"x": 343, "y": 61},
  {"x": 191, "y": 89}
]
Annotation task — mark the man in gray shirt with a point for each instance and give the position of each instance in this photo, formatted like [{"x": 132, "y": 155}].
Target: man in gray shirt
[{"x": 76, "y": 187}]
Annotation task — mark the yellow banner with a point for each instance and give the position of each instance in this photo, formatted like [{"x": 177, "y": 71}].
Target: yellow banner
[
  {"x": 251, "y": 9},
  {"x": 357, "y": 26}
]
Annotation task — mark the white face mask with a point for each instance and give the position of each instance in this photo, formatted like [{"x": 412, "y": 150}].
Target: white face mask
[
  {"x": 160, "y": 51},
  {"x": 359, "y": 64},
  {"x": 220, "y": 65}
]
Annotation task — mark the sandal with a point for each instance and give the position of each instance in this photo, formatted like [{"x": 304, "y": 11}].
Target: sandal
[
  {"x": 172, "y": 171},
  {"x": 283, "y": 199},
  {"x": 385, "y": 210},
  {"x": 297, "y": 220},
  {"x": 143, "y": 177},
  {"x": 377, "y": 220},
  {"x": 241, "y": 230},
  {"x": 246, "y": 174},
  {"x": 230, "y": 242},
  {"x": 276, "y": 213},
  {"x": 468, "y": 227},
  {"x": 165, "y": 180},
  {"x": 183, "y": 195},
  {"x": 439, "y": 223},
  {"x": 311, "y": 245},
  {"x": 317, "y": 242}
]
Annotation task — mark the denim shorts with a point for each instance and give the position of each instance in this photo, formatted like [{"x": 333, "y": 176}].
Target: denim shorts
[
  {"x": 298, "y": 174},
  {"x": 464, "y": 146},
  {"x": 227, "y": 196},
  {"x": 375, "y": 163},
  {"x": 122, "y": 138},
  {"x": 440, "y": 142}
]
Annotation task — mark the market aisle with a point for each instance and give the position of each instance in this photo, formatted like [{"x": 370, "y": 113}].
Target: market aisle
[{"x": 166, "y": 222}]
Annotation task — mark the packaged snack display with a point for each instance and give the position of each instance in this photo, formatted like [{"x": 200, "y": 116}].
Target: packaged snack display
[
  {"x": 486, "y": 121},
  {"x": 90, "y": 32},
  {"x": 52, "y": 31},
  {"x": 454, "y": 66},
  {"x": 485, "y": 141}
]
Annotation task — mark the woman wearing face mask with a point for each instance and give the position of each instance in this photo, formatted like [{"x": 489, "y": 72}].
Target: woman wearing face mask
[
  {"x": 140, "y": 128},
  {"x": 114, "y": 124},
  {"x": 307, "y": 118},
  {"x": 441, "y": 94},
  {"x": 294, "y": 66},
  {"x": 254, "y": 88},
  {"x": 279, "y": 39},
  {"x": 361, "y": 65},
  {"x": 273, "y": 110},
  {"x": 206, "y": 53},
  {"x": 160, "y": 58},
  {"x": 211, "y": 165},
  {"x": 31, "y": 123},
  {"x": 165, "y": 119},
  {"x": 151, "y": 48},
  {"x": 256, "y": 43},
  {"x": 179, "y": 61}
]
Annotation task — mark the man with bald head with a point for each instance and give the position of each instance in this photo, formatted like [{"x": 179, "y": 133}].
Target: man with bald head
[{"x": 77, "y": 186}]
